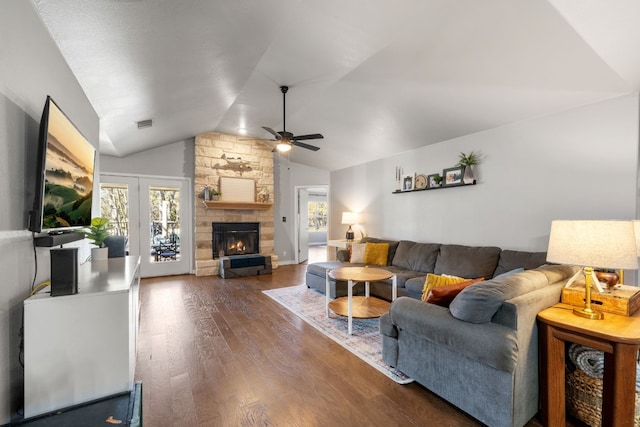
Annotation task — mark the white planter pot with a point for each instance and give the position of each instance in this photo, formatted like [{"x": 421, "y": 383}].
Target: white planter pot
[
  {"x": 468, "y": 177},
  {"x": 99, "y": 254}
]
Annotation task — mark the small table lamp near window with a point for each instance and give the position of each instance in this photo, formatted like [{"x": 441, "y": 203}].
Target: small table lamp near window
[
  {"x": 593, "y": 244},
  {"x": 350, "y": 218}
]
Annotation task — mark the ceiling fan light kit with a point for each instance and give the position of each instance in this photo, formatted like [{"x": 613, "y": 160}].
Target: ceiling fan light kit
[
  {"x": 283, "y": 147},
  {"x": 286, "y": 140}
]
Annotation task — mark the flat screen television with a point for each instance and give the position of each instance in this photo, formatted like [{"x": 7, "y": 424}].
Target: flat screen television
[{"x": 64, "y": 175}]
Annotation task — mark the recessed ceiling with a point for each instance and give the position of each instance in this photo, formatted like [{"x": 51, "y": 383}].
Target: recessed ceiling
[{"x": 375, "y": 78}]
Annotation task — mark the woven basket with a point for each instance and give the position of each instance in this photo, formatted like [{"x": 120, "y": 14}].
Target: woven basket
[{"x": 584, "y": 399}]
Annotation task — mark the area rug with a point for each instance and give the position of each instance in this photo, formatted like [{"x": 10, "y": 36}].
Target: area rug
[{"x": 366, "y": 342}]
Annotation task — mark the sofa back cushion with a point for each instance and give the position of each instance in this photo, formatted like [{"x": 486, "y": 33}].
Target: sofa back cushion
[
  {"x": 393, "y": 245},
  {"x": 511, "y": 260},
  {"x": 467, "y": 261},
  {"x": 416, "y": 256},
  {"x": 479, "y": 302}
]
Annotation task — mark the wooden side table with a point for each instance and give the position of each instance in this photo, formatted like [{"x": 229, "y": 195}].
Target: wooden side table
[
  {"x": 619, "y": 338},
  {"x": 353, "y": 275}
]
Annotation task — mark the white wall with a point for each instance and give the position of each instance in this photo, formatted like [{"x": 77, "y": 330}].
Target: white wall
[
  {"x": 31, "y": 68},
  {"x": 576, "y": 164},
  {"x": 175, "y": 160}
]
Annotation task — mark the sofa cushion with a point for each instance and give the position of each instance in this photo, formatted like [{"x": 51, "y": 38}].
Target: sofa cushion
[
  {"x": 376, "y": 253},
  {"x": 393, "y": 245},
  {"x": 416, "y": 256},
  {"x": 480, "y": 301},
  {"x": 320, "y": 268},
  {"x": 467, "y": 261},
  {"x": 510, "y": 260},
  {"x": 436, "y": 280},
  {"x": 443, "y": 295},
  {"x": 414, "y": 286},
  {"x": 402, "y": 275},
  {"x": 357, "y": 253},
  {"x": 509, "y": 273}
]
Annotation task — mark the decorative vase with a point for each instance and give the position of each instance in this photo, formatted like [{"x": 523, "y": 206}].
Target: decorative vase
[
  {"x": 215, "y": 197},
  {"x": 468, "y": 177},
  {"x": 99, "y": 254},
  {"x": 609, "y": 277}
]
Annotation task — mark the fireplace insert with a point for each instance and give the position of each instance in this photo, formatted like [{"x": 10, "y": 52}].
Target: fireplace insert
[{"x": 235, "y": 238}]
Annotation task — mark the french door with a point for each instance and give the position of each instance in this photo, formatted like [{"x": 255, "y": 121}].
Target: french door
[{"x": 155, "y": 215}]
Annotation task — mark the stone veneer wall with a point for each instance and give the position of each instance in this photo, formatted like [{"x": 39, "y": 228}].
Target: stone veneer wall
[{"x": 209, "y": 167}]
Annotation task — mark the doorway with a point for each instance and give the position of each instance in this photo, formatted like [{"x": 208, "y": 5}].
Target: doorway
[
  {"x": 311, "y": 222},
  {"x": 154, "y": 213}
]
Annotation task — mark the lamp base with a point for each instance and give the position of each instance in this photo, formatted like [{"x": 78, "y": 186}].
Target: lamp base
[
  {"x": 350, "y": 236},
  {"x": 588, "y": 313}
]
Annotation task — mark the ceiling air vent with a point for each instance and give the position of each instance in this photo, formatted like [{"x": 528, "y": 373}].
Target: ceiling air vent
[{"x": 145, "y": 124}]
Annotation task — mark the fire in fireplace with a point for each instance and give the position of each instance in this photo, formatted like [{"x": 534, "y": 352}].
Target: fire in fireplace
[{"x": 235, "y": 238}]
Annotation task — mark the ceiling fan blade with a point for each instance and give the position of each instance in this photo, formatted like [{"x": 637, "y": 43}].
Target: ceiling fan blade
[
  {"x": 303, "y": 145},
  {"x": 310, "y": 136},
  {"x": 272, "y": 132}
]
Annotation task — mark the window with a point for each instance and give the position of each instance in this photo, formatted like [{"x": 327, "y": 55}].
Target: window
[{"x": 317, "y": 216}]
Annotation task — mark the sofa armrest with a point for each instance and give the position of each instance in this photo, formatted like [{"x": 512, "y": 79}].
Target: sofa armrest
[{"x": 491, "y": 343}]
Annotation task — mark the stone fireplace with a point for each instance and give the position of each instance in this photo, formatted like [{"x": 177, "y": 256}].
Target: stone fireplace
[
  {"x": 235, "y": 238},
  {"x": 218, "y": 155}
]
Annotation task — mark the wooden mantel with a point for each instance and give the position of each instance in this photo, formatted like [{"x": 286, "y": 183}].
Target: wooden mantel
[{"x": 237, "y": 205}]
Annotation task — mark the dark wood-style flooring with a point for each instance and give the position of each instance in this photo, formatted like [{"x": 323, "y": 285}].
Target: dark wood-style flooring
[{"x": 218, "y": 352}]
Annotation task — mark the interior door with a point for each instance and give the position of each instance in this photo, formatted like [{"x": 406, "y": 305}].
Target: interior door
[
  {"x": 303, "y": 225},
  {"x": 165, "y": 231}
]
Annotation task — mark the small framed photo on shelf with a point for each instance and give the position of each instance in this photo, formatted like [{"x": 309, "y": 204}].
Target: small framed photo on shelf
[
  {"x": 407, "y": 183},
  {"x": 434, "y": 180},
  {"x": 452, "y": 176}
]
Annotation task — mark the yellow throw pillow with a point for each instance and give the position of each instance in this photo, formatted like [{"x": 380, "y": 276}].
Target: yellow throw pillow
[
  {"x": 434, "y": 281},
  {"x": 376, "y": 253}
]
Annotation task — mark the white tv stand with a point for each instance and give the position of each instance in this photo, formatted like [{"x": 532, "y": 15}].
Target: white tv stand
[{"x": 82, "y": 347}]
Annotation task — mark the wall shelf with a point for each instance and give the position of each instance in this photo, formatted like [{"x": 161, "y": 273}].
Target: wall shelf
[
  {"x": 209, "y": 204},
  {"x": 433, "y": 188}
]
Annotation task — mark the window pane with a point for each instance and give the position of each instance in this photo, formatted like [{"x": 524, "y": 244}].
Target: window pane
[
  {"x": 114, "y": 204},
  {"x": 317, "y": 216},
  {"x": 165, "y": 223}
]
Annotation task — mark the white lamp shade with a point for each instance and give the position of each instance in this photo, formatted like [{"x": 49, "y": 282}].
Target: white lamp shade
[
  {"x": 350, "y": 218},
  {"x": 598, "y": 244}
]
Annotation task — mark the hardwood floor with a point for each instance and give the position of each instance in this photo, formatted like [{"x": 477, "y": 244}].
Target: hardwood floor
[{"x": 218, "y": 352}]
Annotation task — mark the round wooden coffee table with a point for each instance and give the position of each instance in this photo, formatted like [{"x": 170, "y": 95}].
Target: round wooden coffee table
[{"x": 359, "y": 307}]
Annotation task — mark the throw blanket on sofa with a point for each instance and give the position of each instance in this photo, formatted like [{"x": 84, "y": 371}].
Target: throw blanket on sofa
[{"x": 591, "y": 362}]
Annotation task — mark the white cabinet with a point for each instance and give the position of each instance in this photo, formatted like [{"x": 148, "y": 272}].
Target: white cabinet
[{"x": 82, "y": 347}]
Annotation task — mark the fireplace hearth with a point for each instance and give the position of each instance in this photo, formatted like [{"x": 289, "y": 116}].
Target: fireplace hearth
[{"x": 235, "y": 238}]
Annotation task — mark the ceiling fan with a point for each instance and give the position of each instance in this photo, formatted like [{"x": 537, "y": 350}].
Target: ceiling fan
[{"x": 286, "y": 139}]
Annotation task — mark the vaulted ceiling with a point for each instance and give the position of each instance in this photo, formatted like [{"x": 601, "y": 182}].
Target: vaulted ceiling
[{"x": 375, "y": 77}]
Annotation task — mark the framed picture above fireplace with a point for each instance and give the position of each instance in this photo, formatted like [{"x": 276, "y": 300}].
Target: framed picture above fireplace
[{"x": 237, "y": 189}]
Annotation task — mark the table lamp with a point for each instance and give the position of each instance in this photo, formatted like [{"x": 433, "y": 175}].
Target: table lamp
[
  {"x": 592, "y": 244},
  {"x": 350, "y": 218}
]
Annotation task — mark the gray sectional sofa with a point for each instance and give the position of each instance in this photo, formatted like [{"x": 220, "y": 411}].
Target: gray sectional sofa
[
  {"x": 411, "y": 261},
  {"x": 481, "y": 352}
]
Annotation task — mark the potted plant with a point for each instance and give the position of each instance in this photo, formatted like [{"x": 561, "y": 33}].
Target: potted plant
[
  {"x": 97, "y": 233},
  {"x": 215, "y": 194},
  {"x": 466, "y": 161}
]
